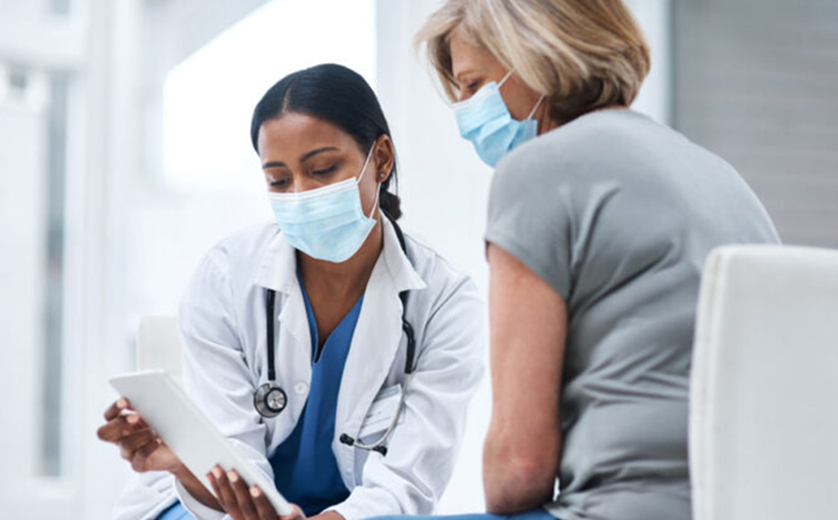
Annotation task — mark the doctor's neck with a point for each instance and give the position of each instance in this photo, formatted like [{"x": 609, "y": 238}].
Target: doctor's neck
[{"x": 347, "y": 278}]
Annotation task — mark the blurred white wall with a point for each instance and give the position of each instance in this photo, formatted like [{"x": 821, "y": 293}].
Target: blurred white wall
[
  {"x": 42, "y": 51},
  {"x": 23, "y": 124}
]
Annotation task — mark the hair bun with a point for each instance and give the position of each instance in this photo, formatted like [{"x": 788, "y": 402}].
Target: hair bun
[{"x": 390, "y": 204}]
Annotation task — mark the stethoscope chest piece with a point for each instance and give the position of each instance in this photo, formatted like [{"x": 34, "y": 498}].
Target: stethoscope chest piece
[{"x": 270, "y": 400}]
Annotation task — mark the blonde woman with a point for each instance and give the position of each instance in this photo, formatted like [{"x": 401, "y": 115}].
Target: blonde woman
[{"x": 600, "y": 220}]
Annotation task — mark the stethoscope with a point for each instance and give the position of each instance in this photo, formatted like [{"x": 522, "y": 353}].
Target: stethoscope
[{"x": 270, "y": 399}]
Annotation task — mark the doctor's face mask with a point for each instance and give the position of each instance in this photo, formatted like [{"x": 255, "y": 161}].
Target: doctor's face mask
[{"x": 326, "y": 223}]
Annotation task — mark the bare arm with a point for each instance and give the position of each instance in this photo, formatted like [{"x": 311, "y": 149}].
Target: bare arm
[{"x": 528, "y": 328}]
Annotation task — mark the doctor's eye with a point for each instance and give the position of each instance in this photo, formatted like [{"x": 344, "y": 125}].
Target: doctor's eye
[
  {"x": 324, "y": 171},
  {"x": 279, "y": 184}
]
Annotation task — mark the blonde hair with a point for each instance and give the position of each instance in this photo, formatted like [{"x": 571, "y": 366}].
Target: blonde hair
[{"x": 581, "y": 54}]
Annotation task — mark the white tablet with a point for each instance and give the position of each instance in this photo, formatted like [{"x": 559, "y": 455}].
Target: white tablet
[{"x": 191, "y": 436}]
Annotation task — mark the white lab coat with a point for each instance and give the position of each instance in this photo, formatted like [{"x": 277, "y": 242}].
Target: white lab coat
[{"x": 223, "y": 330}]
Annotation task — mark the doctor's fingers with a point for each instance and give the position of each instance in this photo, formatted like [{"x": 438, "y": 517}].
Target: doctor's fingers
[
  {"x": 122, "y": 408},
  {"x": 131, "y": 443},
  {"x": 245, "y": 501},
  {"x": 141, "y": 457},
  {"x": 225, "y": 494},
  {"x": 264, "y": 508},
  {"x": 116, "y": 408},
  {"x": 122, "y": 426}
]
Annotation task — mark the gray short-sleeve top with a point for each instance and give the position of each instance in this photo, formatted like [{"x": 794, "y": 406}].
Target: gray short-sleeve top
[{"x": 618, "y": 214}]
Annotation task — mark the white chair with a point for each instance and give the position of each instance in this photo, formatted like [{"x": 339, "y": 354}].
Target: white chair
[
  {"x": 158, "y": 345},
  {"x": 764, "y": 389}
]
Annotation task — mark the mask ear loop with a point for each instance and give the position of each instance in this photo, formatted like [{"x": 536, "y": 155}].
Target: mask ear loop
[
  {"x": 505, "y": 78},
  {"x": 366, "y": 163},
  {"x": 378, "y": 185},
  {"x": 375, "y": 202},
  {"x": 536, "y": 106}
]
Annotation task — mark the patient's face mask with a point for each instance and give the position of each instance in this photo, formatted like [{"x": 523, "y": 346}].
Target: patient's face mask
[
  {"x": 484, "y": 119},
  {"x": 326, "y": 223}
]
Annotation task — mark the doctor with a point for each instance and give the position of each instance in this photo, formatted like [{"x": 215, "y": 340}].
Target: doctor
[{"x": 294, "y": 332}]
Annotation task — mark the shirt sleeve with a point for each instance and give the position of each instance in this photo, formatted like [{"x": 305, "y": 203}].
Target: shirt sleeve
[
  {"x": 145, "y": 496},
  {"x": 545, "y": 212},
  {"x": 215, "y": 374},
  {"x": 196, "y": 508}
]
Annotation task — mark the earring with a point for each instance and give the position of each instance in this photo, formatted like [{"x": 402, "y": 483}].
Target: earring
[{"x": 381, "y": 175}]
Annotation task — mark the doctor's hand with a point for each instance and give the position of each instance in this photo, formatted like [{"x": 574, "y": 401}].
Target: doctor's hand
[
  {"x": 138, "y": 443},
  {"x": 245, "y": 503}
]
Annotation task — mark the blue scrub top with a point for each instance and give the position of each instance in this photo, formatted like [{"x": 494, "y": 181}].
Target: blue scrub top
[
  {"x": 305, "y": 469},
  {"x": 176, "y": 511}
]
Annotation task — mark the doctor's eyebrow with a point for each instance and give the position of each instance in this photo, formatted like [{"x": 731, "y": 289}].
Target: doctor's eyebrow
[{"x": 305, "y": 157}]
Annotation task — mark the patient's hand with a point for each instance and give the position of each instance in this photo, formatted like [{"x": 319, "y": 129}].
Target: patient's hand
[{"x": 138, "y": 443}]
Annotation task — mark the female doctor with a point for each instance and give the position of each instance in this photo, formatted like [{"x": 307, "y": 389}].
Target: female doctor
[{"x": 294, "y": 331}]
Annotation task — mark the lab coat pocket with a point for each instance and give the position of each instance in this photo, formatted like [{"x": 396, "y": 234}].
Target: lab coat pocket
[{"x": 381, "y": 414}]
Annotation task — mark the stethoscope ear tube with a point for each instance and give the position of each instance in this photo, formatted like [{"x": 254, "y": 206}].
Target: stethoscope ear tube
[
  {"x": 411, "y": 347},
  {"x": 406, "y": 326},
  {"x": 270, "y": 299}
]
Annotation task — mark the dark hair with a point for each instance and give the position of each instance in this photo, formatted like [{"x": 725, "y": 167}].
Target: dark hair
[{"x": 338, "y": 95}]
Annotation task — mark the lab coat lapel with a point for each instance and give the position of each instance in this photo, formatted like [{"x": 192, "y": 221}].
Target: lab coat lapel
[
  {"x": 293, "y": 339},
  {"x": 293, "y": 355},
  {"x": 374, "y": 346},
  {"x": 375, "y": 343}
]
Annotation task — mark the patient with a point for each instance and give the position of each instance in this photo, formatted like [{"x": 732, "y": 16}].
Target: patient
[{"x": 599, "y": 222}]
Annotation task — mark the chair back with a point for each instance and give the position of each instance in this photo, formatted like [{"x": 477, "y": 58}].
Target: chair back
[{"x": 764, "y": 386}]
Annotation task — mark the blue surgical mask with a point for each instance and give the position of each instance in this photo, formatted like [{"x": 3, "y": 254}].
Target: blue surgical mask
[
  {"x": 326, "y": 223},
  {"x": 484, "y": 119}
]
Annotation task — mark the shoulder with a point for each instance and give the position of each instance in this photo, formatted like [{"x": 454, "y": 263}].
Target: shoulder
[
  {"x": 242, "y": 249},
  {"x": 234, "y": 261},
  {"x": 591, "y": 147},
  {"x": 617, "y": 151}
]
